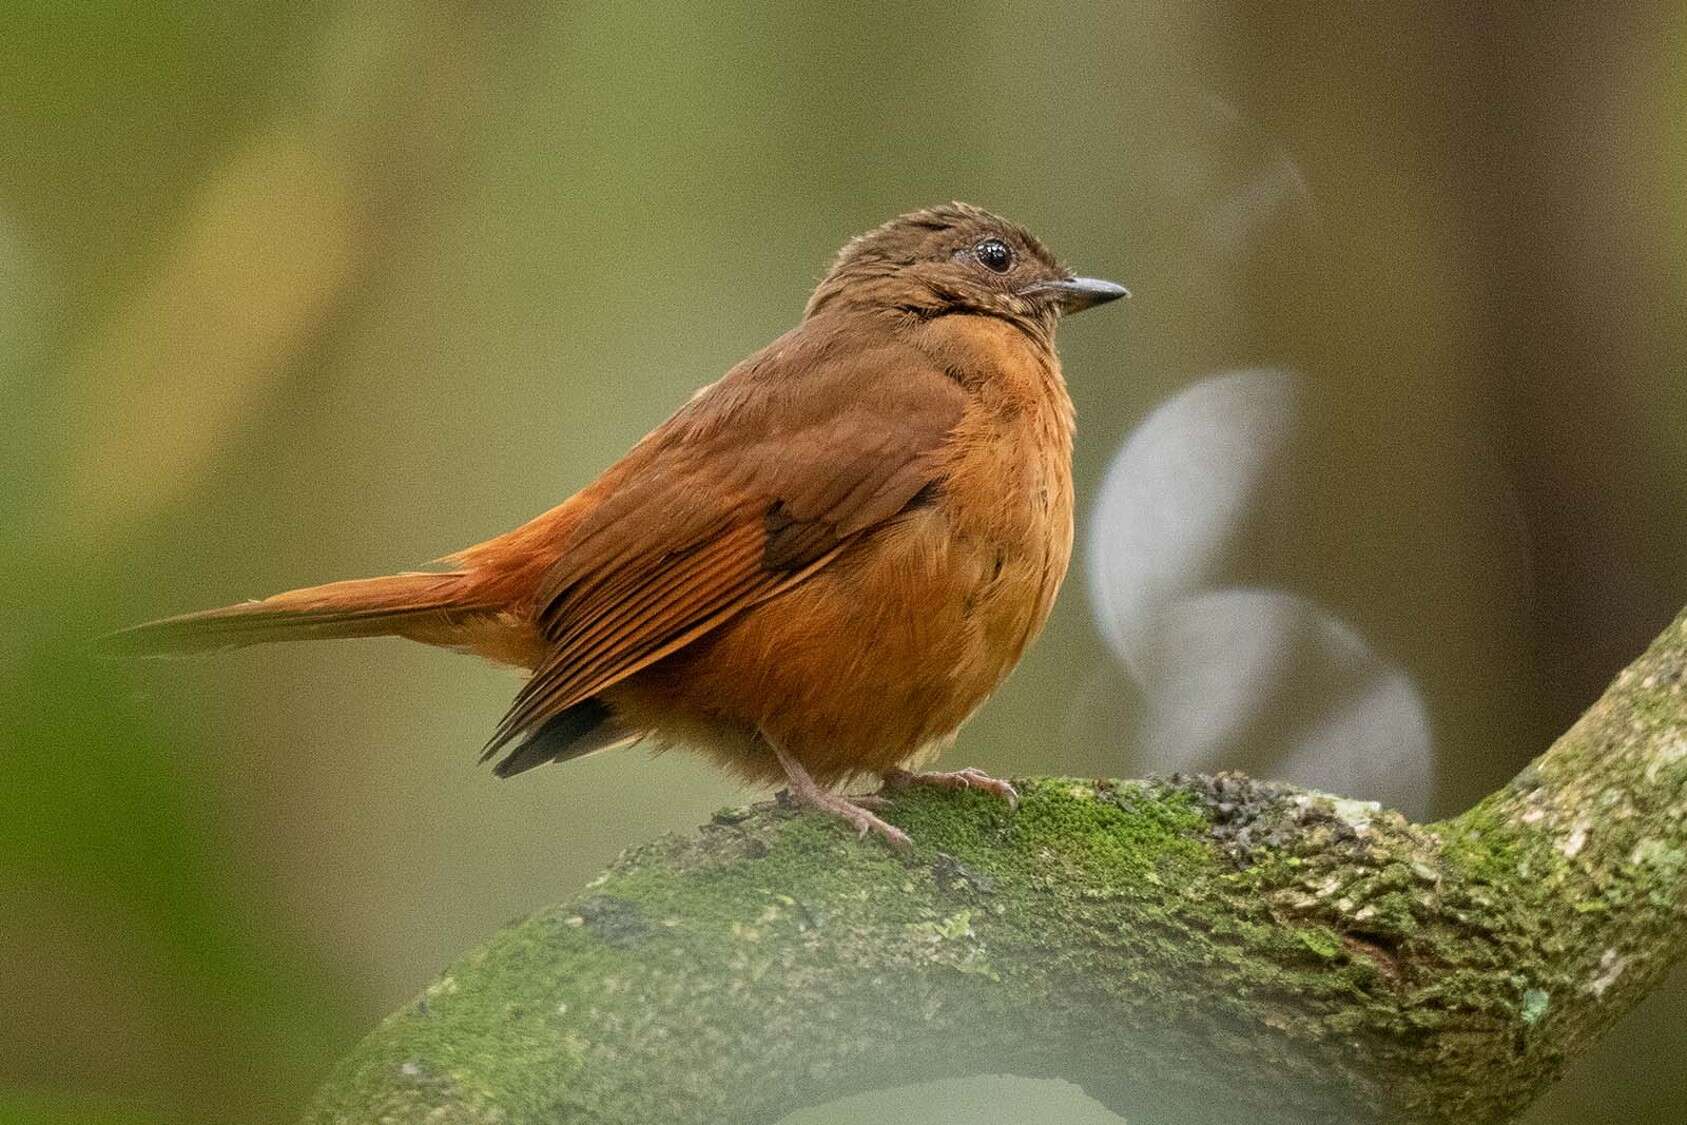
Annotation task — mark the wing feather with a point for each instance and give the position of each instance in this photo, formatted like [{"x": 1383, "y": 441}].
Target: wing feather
[{"x": 753, "y": 486}]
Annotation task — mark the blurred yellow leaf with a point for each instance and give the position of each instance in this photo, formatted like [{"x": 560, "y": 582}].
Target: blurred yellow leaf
[{"x": 256, "y": 270}]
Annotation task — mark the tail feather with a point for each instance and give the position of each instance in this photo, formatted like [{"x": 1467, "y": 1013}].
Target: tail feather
[{"x": 422, "y": 605}]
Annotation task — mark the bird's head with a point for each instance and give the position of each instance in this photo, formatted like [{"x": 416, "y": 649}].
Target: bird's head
[{"x": 957, "y": 258}]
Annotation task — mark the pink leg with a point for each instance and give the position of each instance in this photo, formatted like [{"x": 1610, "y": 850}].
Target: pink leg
[
  {"x": 968, "y": 778},
  {"x": 805, "y": 791}
]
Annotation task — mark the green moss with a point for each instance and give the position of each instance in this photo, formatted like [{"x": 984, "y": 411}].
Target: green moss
[
  {"x": 514, "y": 1024},
  {"x": 1484, "y": 846},
  {"x": 1321, "y": 942}
]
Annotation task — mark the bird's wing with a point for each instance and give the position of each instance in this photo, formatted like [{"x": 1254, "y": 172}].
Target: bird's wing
[{"x": 754, "y": 485}]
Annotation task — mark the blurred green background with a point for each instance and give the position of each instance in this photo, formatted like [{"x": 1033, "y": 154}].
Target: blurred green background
[{"x": 299, "y": 292}]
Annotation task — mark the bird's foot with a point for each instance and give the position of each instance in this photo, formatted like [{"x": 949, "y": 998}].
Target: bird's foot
[
  {"x": 804, "y": 791},
  {"x": 851, "y": 809},
  {"x": 968, "y": 778}
]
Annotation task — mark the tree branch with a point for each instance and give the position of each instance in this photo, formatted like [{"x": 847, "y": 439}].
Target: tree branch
[{"x": 1199, "y": 949}]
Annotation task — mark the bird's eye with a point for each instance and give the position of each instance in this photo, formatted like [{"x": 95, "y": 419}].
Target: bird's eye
[{"x": 994, "y": 255}]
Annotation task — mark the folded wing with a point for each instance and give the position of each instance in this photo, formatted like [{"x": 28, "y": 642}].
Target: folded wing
[{"x": 753, "y": 486}]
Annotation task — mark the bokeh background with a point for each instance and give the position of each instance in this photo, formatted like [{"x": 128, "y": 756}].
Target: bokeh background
[{"x": 1382, "y": 470}]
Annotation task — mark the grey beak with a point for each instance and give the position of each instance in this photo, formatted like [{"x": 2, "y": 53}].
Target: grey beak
[{"x": 1075, "y": 294}]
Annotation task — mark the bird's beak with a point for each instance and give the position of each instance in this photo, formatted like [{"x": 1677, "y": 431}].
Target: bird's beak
[{"x": 1075, "y": 294}]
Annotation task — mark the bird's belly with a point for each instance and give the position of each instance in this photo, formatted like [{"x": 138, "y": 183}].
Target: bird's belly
[{"x": 877, "y": 657}]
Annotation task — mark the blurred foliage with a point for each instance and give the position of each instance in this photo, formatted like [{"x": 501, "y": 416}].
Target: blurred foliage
[{"x": 294, "y": 292}]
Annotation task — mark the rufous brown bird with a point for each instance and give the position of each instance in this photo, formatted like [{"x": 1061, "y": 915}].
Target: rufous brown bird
[{"x": 814, "y": 571}]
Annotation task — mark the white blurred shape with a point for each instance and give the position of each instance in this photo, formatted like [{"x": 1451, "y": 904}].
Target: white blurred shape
[
  {"x": 1271, "y": 683},
  {"x": 1262, "y": 184},
  {"x": 1272, "y": 190},
  {"x": 1233, "y": 676},
  {"x": 1177, "y": 494}
]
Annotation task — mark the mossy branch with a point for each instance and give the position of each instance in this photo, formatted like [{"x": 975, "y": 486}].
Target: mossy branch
[{"x": 1200, "y": 949}]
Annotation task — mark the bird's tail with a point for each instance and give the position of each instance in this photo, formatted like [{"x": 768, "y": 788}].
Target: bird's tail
[{"x": 424, "y": 606}]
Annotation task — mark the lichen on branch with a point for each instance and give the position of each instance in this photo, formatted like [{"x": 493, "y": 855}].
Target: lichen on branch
[{"x": 1187, "y": 950}]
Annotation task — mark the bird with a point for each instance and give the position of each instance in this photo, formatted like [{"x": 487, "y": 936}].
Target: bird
[{"x": 813, "y": 572}]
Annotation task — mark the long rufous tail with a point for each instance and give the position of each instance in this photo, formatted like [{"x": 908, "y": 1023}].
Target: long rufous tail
[{"x": 425, "y": 606}]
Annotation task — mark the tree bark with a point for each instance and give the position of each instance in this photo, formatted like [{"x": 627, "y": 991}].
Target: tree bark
[{"x": 1198, "y": 949}]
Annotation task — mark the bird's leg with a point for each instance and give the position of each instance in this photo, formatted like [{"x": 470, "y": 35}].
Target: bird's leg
[
  {"x": 968, "y": 778},
  {"x": 805, "y": 791}
]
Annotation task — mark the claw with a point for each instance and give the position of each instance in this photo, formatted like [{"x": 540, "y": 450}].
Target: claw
[
  {"x": 863, "y": 820},
  {"x": 968, "y": 778}
]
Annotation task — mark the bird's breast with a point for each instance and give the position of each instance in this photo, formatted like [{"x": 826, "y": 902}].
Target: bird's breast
[
  {"x": 1007, "y": 508},
  {"x": 1007, "y": 473},
  {"x": 1001, "y": 527}
]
